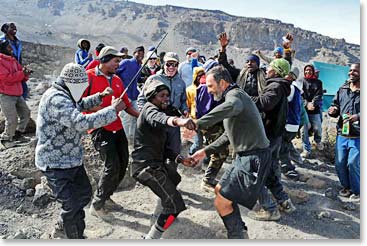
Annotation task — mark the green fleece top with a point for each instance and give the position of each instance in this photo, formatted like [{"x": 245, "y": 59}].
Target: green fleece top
[{"x": 244, "y": 129}]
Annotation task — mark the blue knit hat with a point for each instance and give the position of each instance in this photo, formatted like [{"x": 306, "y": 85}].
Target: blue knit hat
[
  {"x": 255, "y": 58},
  {"x": 278, "y": 49}
]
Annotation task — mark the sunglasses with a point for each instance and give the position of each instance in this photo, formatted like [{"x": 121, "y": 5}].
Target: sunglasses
[
  {"x": 172, "y": 64},
  {"x": 152, "y": 58}
]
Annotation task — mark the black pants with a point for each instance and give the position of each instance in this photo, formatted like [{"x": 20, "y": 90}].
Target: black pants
[
  {"x": 114, "y": 152},
  {"x": 163, "y": 180},
  {"x": 284, "y": 154},
  {"x": 72, "y": 189}
]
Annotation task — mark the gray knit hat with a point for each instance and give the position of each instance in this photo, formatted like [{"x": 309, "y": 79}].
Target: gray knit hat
[{"x": 75, "y": 78}]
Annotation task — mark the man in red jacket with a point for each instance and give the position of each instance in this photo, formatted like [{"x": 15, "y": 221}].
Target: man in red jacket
[
  {"x": 110, "y": 141},
  {"x": 12, "y": 74}
]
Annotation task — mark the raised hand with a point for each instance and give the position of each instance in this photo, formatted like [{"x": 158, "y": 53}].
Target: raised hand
[{"x": 223, "y": 39}]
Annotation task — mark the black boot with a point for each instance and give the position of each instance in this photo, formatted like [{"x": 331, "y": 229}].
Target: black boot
[{"x": 236, "y": 228}]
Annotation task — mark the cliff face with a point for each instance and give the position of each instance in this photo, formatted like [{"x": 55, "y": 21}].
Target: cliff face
[{"x": 123, "y": 23}]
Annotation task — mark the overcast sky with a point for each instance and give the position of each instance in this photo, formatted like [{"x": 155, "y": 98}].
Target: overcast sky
[{"x": 334, "y": 18}]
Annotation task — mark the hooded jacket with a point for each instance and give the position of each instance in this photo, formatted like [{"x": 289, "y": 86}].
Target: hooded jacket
[
  {"x": 11, "y": 76},
  {"x": 81, "y": 55},
  {"x": 60, "y": 126},
  {"x": 175, "y": 84},
  {"x": 312, "y": 92},
  {"x": 191, "y": 92},
  {"x": 273, "y": 103},
  {"x": 150, "y": 148}
]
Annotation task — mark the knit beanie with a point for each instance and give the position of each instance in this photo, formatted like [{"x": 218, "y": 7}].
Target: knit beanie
[
  {"x": 209, "y": 64},
  {"x": 255, "y": 58},
  {"x": 154, "y": 88},
  {"x": 75, "y": 78},
  {"x": 281, "y": 66},
  {"x": 278, "y": 50}
]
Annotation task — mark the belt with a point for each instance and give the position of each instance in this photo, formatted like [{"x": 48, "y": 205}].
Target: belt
[{"x": 251, "y": 152}]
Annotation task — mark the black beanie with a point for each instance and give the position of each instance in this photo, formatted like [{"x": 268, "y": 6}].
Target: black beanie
[{"x": 140, "y": 48}]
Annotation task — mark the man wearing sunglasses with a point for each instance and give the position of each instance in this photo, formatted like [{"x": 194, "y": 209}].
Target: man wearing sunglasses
[{"x": 186, "y": 68}]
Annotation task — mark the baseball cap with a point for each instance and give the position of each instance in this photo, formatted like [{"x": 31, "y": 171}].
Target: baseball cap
[
  {"x": 171, "y": 56},
  {"x": 109, "y": 50}
]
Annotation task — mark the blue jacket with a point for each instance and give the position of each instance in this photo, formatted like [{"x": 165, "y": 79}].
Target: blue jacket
[
  {"x": 81, "y": 57},
  {"x": 126, "y": 71},
  {"x": 294, "y": 109},
  {"x": 17, "y": 52}
]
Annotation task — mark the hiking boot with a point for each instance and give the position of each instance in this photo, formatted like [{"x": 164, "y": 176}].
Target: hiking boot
[
  {"x": 208, "y": 186},
  {"x": 344, "y": 192},
  {"x": 306, "y": 154},
  {"x": 6, "y": 144},
  {"x": 19, "y": 137},
  {"x": 112, "y": 205},
  {"x": 101, "y": 213},
  {"x": 292, "y": 174},
  {"x": 287, "y": 206},
  {"x": 320, "y": 146},
  {"x": 296, "y": 157},
  {"x": 354, "y": 198},
  {"x": 264, "y": 215}
]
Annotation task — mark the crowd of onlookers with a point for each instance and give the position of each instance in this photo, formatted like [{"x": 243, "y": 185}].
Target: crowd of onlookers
[{"x": 144, "y": 99}]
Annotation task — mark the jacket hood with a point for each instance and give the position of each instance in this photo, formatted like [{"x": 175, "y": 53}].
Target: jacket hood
[
  {"x": 311, "y": 66},
  {"x": 80, "y": 43},
  {"x": 286, "y": 84},
  {"x": 196, "y": 71},
  {"x": 153, "y": 88},
  {"x": 298, "y": 84}
]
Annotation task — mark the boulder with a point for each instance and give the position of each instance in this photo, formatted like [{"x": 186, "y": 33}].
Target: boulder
[
  {"x": 298, "y": 196},
  {"x": 316, "y": 183}
]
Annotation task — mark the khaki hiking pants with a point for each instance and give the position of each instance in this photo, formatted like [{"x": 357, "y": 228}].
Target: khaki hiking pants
[{"x": 13, "y": 107}]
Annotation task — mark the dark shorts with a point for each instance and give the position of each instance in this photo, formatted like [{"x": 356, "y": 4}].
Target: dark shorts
[
  {"x": 163, "y": 180},
  {"x": 242, "y": 181}
]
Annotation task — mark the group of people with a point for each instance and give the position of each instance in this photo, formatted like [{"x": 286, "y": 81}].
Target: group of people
[{"x": 144, "y": 100}]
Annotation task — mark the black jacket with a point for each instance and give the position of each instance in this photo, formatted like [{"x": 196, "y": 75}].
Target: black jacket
[
  {"x": 274, "y": 106},
  {"x": 347, "y": 102},
  {"x": 312, "y": 92}
]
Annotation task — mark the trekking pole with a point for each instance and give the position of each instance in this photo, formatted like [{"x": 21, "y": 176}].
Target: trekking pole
[{"x": 141, "y": 68}]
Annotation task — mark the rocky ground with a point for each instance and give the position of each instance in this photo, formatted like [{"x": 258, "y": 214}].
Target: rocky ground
[{"x": 28, "y": 210}]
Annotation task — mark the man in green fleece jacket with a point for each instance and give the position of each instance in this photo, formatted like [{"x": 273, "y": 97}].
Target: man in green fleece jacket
[{"x": 241, "y": 183}]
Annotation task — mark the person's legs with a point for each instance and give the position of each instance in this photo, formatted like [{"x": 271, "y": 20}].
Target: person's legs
[
  {"x": 197, "y": 144},
  {"x": 105, "y": 143},
  {"x": 8, "y": 108},
  {"x": 354, "y": 165},
  {"x": 316, "y": 125},
  {"x": 284, "y": 153},
  {"x": 72, "y": 189},
  {"x": 341, "y": 161},
  {"x": 163, "y": 183},
  {"x": 24, "y": 114},
  {"x": 230, "y": 215},
  {"x": 305, "y": 140}
]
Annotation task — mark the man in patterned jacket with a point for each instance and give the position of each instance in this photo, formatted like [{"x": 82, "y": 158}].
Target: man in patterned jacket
[{"x": 59, "y": 151}]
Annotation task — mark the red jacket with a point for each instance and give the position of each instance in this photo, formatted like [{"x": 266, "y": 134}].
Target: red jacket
[
  {"x": 11, "y": 76},
  {"x": 99, "y": 83}
]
